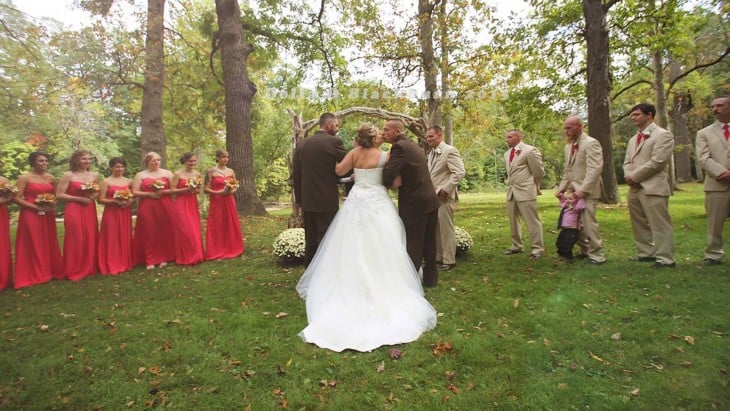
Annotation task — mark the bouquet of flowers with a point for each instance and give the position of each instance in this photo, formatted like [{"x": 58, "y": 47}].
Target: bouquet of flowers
[
  {"x": 289, "y": 246},
  {"x": 124, "y": 195},
  {"x": 45, "y": 199},
  {"x": 464, "y": 241},
  {"x": 232, "y": 183},
  {"x": 158, "y": 184},
  {"x": 195, "y": 182},
  {"x": 8, "y": 188},
  {"x": 90, "y": 187}
]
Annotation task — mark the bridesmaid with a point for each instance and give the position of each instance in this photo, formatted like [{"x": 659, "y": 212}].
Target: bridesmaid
[
  {"x": 223, "y": 238},
  {"x": 116, "y": 252},
  {"x": 6, "y": 265},
  {"x": 79, "y": 188},
  {"x": 37, "y": 255},
  {"x": 154, "y": 235},
  {"x": 187, "y": 183}
]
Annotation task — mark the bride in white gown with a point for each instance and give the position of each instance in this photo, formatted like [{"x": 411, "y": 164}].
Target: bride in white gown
[{"x": 361, "y": 288}]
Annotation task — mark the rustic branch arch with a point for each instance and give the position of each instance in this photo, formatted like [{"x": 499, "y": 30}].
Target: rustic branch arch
[{"x": 301, "y": 128}]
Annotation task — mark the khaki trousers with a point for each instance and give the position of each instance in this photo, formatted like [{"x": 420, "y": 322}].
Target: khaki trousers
[
  {"x": 652, "y": 225},
  {"x": 589, "y": 240},
  {"x": 446, "y": 235},
  {"x": 526, "y": 210},
  {"x": 717, "y": 205}
]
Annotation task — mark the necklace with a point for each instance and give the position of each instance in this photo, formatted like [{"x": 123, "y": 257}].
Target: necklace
[{"x": 222, "y": 171}]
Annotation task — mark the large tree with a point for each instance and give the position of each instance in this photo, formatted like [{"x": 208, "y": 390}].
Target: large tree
[
  {"x": 239, "y": 93},
  {"x": 153, "y": 130}
]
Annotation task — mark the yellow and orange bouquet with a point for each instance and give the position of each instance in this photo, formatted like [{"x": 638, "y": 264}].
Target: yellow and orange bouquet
[
  {"x": 8, "y": 188},
  {"x": 232, "y": 183},
  {"x": 45, "y": 199},
  {"x": 90, "y": 187},
  {"x": 123, "y": 195},
  {"x": 195, "y": 182},
  {"x": 158, "y": 184}
]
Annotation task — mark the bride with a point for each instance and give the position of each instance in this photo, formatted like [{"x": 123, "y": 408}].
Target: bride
[{"x": 361, "y": 289}]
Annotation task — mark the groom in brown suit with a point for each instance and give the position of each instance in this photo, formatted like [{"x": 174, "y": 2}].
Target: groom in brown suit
[
  {"x": 418, "y": 203},
  {"x": 315, "y": 181}
]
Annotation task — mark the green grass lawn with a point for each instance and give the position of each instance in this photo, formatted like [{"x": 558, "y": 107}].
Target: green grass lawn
[{"x": 522, "y": 334}]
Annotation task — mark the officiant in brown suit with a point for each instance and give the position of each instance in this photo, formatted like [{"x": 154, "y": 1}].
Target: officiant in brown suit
[
  {"x": 418, "y": 203},
  {"x": 315, "y": 181}
]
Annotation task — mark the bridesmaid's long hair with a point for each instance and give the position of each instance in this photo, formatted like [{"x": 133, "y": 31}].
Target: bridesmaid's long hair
[
  {"x": 75, "y": 161},
  {"x": 33, "y": 157},
  {"x": 366, "y": 134},
  {"x": 147, "y": 157}
]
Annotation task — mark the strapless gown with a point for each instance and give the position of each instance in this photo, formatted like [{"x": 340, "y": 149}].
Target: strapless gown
[
  {"x": 361, "y": 288},
  {"x": 223, "y": 237},
  {"x": 6, "y": 263},
  {"x": 116, "y": 252},
  {"x": 189, "y": 241},
  {"x": 80, "y": 236},
  {"x": 37, "y": 254},
  {"x": 154, "y": 232}
]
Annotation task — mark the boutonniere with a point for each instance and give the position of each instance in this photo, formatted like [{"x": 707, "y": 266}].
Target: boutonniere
[
  {"x": 517, "y": 152},
  {"x": 438, "y": 151}
]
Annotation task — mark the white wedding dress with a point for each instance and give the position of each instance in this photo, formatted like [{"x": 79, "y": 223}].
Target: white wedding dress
[{"x": 361, "y": 288}]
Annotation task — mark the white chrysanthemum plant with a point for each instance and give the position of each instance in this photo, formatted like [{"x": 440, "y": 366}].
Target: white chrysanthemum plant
[
  {"x": 464, "y": 241},
  {"x": 289, "y": 246}
]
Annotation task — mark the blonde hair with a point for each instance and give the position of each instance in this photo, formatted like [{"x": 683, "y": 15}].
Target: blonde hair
[
  {"x": 148, "y": 157},
  {"x": 366, "y": 134},
  {"x": 75, "y": 161}
]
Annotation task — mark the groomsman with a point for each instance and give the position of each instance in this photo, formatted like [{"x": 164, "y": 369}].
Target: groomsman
[
  {"x": 646, "y": 171},
  {"x": 315, "y": 181},
  {"x": 713, "y": 154},
  {"x": 524, "y": 175},
  {"x": 447, "y": 170},
  {"x": 583, "y": 166}
]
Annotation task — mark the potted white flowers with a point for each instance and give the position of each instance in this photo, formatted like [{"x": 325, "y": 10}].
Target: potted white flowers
[
  {"x": 464, "y": 241},
  {"x": 289, "y": 246}
]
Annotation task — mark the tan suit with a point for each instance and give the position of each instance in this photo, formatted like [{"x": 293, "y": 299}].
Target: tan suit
[
  {"x": 713, "y": 154},
  {"x": 583, "y": 172},
  {"x": 447, "y": 170},
  {"x": 648, "y": 165},
  {"x": 524, "y": 175}
]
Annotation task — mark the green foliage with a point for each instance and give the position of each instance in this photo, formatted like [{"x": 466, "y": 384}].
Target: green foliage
[{"x": 14, "y": 158}]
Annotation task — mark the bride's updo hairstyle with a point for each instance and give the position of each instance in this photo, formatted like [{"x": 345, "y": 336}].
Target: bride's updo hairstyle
[{"x": 366, "y": 134}]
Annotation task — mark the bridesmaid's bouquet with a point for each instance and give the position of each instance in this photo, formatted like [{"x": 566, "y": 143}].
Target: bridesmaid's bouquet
[
  {"x": 158, "y": 184},
  {"x": 90, "y": 187},
  {"x": 8, "y": 188},
  {"x": 45, "y": 200},
  {"x": 195, "y": 182},
  {"x": 232, "y": 183},
  {"x": 123, "y": 195}
]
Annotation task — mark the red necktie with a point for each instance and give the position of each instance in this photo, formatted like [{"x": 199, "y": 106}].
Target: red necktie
[
  {"x": 573, "y": 149},
  {"x": 639, "y": 137},
  {"x": 512, "y": 153},
  {"x": 727, "y": 132}
]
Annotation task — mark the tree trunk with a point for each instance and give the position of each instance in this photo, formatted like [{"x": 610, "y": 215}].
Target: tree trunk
[
  {"x": 239, "y": 92},
  {"x": 599, "y": 88},
  {"x": 153, "y": 132},
  {"x": 448, "y": 118},
  {"x": 425, "y": 38},
  {"x": 682, "y": 103}
]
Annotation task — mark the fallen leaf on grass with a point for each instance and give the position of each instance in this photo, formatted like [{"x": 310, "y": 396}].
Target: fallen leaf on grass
[
  {"x": 454, "y": 389},
  {"x": 64, "y": 315},
  {"x": 687, "y": 363},
  {"x": 140, "y": 370},
  {"x": 395, "y": 353},
  {"x": 599, "y": 359},
  {"x": 450, "y": 374},
  {"x": 635, "y": 392},
  {"x": 562, "y": 386},
  {"x": 689, "y": 339},
  {"x": 381, "y": 367},
  {"x": 516, "y": 303},
  {"x": 43, "y": 328},
  {"x": 442, "y": 348},
  {"x": 281, "y": 315},
  {"x": 616, "y": 336}
]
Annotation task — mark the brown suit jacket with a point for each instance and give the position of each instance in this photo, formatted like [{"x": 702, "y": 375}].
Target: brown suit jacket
[
  {"x": 648, "y": 164},
  {"x": 313, "y": 172},
  {"x": 713, "y": 154},
  {"x": 416, "y": 194}
]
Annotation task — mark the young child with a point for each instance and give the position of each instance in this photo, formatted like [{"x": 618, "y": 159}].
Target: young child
[{"x": 569, "y": 223}]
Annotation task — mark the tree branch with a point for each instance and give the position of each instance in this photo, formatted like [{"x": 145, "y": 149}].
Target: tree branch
[
  {"x": 630, "y": 86},
  {"x": 698, "y": 67}
]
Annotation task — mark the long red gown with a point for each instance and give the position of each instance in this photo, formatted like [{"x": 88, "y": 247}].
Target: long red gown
[
  {"x": 223, "y": 238},
  {"x": 37, "y": 255},
  {"x": 116, "y": 252},
  {"x": 154, "y": 233},
  {"x": 5, "y": 262},
  {"x": 80, "y": 236},
  {"x": 188, "y": 238}
]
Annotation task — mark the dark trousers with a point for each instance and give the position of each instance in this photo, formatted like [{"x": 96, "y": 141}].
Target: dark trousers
[
  {"x": 315, "y": 226},
  {"x": 565, "y": 242},
  {"x": 421, "y": 244}
]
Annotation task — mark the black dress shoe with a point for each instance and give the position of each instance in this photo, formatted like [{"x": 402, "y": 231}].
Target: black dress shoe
[
  {"x": 445, "y": 267},
  {"x": 642, "y": 259},
  {"x": 663, "y": 265},
  {"x": 711, "y": 261},
  {"x": 511, "y": 251}
]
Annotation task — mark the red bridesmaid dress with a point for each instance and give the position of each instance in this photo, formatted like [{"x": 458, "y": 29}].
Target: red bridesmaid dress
[
  {"x": 37, "y": 255},
  {"x": 5, "y": 262},
  {"x": 154, "y": 232},
  {"x": 223, "y": 238},
  {"x": 80, "y": 236},
  {"x": 116, "y": 254},
  {"x": 188, "y": 238}
]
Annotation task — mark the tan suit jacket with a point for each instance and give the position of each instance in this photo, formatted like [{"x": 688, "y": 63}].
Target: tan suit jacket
[
  {"x": 583, "y": 171},
  {"x": 525, "y": 173},
  {"x": 648, "y": 164},
  {"x": 713, "y": 154},
  {"x": 446, "y": 168}
]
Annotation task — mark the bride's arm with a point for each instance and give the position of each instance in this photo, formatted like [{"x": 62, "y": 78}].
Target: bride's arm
[{"x": 344, "y": 166}]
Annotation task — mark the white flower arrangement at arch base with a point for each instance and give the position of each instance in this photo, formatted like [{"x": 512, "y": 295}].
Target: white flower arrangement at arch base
[
  {"x": 464, "y": 241},
  {"x": 289, "y": 246}
]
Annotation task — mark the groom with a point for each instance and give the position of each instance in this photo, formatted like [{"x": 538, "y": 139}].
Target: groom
[{"x": 418, "y": 203}]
